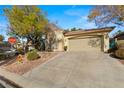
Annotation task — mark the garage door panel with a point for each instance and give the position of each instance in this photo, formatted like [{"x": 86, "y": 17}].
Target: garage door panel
[{"x": 83, "y": 44}]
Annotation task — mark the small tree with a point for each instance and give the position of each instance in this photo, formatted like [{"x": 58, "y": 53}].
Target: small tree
[
  {"x": 105, "y": 14},
  {"x": 1, "y": 38},
  {"x": 50, "y": 36},
  {"x": 27, "y": 22},
  {"x": 73, "y": 29}
]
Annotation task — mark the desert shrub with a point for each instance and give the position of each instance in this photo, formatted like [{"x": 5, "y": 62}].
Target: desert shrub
[
  {"x": 65, "y": 48},
  {"x": 20, "y": 50},
  {"x": 120, "y": 53},
  {"x": 32, "y": 55}
]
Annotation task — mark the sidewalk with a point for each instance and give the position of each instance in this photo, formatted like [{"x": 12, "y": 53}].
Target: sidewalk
[{"x": 19, "y": 80}]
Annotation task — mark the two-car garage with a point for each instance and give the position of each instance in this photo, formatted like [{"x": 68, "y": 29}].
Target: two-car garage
[
  {"x": 84, "y": 44},
  {"x": 88, "y": 40}
]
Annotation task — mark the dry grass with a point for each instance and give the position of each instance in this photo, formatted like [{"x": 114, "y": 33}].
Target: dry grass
[{"x": 21, "y": 68}]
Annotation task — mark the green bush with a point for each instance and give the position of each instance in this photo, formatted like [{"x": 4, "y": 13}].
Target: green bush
[
  {"x": 120, "y": 53},
  {"x": 32, "y": 55},
  {"x": 65, "y": 48},
  {"x": 20, "y": 50}
]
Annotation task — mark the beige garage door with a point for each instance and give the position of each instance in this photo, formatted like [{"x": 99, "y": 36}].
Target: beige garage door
[{"x": 87, "y": 44}]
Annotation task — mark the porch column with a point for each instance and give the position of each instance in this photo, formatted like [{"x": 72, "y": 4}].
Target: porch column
[
  {"x": 66, "y": 42},
  {"x": 106, "y": 42}
]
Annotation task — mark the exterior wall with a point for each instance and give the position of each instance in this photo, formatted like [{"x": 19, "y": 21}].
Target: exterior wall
[
  {"x": 106, "y": 42},
  {"x": 59, "y": 45},
  {"x": 66, "y": 41}
]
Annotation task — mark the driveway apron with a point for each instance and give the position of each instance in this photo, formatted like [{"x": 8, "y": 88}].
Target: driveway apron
[{"x": 78, "y": 70}]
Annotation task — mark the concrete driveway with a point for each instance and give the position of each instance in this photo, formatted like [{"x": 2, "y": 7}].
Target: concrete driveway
[{"x": 78, "y": 70}]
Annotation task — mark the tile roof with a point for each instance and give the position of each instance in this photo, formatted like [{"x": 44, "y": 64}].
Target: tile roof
[{"x": 98, "y": 30}]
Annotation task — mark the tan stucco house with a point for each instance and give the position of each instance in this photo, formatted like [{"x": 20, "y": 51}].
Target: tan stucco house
[
  {"x": 54, "y": 38},
  {"x": 84, "y": 40}
]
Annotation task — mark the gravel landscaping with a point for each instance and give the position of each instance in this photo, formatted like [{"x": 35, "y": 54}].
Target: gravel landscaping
[
  {"x": 21, "y": 68},
  {"x": 121, "y": 61}
]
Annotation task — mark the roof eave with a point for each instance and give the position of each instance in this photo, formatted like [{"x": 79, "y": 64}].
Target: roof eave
[{"x": 101, "y": 30}]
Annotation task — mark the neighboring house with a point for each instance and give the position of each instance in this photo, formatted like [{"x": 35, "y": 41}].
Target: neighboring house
[
  {"x": 119, "y": 44},
  {"x": 119, "y": 39},
  {"x": 119, "y": 36}
]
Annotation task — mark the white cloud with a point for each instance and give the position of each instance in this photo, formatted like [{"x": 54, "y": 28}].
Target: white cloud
[
  {"x": 89, "y": 25},
  {"x": 82, "y": 18},
  {"x": 79, "y": 13},
  {"x": 75, "y": 12},
  {"x": 85, "y": 24},
  {"x": 72, "y": 12},
  {"x": 3, "y": 25},
  {"x": 73, "y": 6}
]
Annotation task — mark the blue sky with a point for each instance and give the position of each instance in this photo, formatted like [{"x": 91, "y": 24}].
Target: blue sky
[
  {"x": 66, "y": 16},
  {"x": 69, "y": 16}
]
